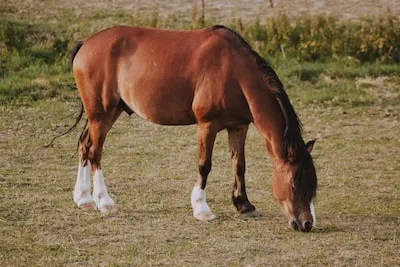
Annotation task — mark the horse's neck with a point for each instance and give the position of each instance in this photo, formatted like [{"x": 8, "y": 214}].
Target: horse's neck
[{"x": 267, "y": 117}]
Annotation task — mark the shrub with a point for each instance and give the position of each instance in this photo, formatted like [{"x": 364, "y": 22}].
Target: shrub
[
  {"x": 321, "y": 38},
  {"x": 12, "y": 35}
]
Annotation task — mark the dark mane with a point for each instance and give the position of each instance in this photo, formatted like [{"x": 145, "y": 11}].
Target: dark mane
[{"x": 293, "y": 144}]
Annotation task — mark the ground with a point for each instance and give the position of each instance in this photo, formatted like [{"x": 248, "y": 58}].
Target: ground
[{"x": 150, "y": 173}]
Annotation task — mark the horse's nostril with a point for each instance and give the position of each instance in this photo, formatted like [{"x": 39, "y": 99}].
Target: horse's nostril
[
  {"x": 294, "y": 225},
  {"x": 307, "y": 225}
]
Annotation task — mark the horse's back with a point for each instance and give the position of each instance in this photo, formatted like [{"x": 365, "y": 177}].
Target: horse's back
[{"x": 165, "y": 76}]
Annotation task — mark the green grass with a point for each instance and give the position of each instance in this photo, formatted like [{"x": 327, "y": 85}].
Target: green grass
[
  {"x": 301, "y": 48},
  {"x": 349, "y": 104}
]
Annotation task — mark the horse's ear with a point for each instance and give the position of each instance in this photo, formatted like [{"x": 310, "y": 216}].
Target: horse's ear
[{"x": 310, "y": 145}]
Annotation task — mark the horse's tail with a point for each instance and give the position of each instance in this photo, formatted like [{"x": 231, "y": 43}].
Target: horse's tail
[
  {"x": 75, "y": 50},
  {"x": 79, "y": 117},
  {"x": 77, "y": 120}
]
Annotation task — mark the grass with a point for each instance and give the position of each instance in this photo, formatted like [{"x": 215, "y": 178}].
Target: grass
[
  {"x": 150, "y": 174},
  {"x": 35, "y": 58},
  {"x": 350, "y": 106}
]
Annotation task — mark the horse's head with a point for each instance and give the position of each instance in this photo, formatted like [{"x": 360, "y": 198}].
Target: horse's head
[{"x": 294, "y": 186}]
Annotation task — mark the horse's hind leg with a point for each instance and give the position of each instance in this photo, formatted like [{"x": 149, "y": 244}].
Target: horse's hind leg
[
  {"x": 81, "y": 194},
  {"x": 98, "y": 131},
  {"x": 237, "y": 138},
  {"x": 90, "y": 150}
]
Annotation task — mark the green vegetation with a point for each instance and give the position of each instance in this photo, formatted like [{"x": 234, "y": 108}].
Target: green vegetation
[
  {"x": 35, "y": 58},
  {"x": 322, "y": 38}
]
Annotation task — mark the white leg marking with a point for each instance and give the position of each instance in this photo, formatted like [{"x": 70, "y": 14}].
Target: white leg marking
[
  {"x": 81, "y": 194},
  {"x": 103, "y": 201},
  {"x": 312, "y": 210},
  {"x": 201, "y": 210}
]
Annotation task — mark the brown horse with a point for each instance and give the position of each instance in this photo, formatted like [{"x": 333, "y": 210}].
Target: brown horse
[{"x": 209, "y": 77}]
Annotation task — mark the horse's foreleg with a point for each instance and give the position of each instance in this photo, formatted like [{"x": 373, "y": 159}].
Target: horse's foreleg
[
  {"x": 205, "y": 139},
  {"x": 237, "y": 138}
]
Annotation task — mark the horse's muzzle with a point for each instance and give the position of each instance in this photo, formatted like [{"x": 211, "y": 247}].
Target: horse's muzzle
[{"x": 297, "y": 225}]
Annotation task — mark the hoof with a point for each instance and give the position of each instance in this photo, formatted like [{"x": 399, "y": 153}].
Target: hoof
[
  {"x": 84, "y": 200},
  {"x": 252, "y": 214},
  {"x": 104, "y": 203},
  {"x": 205, "y": 216},
  {"x": 88, "y": 206},
  {"x": 107, "y": 209}
]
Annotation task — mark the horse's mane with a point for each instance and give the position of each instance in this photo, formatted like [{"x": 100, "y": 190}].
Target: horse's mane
[{"x": 293, "y": 144}]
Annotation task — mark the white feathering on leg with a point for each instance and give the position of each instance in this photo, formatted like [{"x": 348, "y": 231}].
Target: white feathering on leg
[
  {"x": 198, "y": 201},
  {"x": 81, "y": 194},
  {"x": 103, "y": 201},
  {"x": 200, "y": 208}
]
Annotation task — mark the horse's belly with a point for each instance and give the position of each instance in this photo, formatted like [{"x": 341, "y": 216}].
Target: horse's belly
[
  {"x": 181, "y": 118},
  {"x": 161, "y": 108}
]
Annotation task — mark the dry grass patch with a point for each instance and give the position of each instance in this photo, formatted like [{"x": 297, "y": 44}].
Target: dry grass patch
[{"x": 150, "y": 171}]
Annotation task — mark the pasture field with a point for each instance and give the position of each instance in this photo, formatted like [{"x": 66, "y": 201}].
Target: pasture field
[{"x": 352, "y": 109}]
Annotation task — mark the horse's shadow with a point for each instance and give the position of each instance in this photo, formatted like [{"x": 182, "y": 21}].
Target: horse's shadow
[
  {"x": 328, "y": 229},
  {"x": 319, "y": 229}
]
